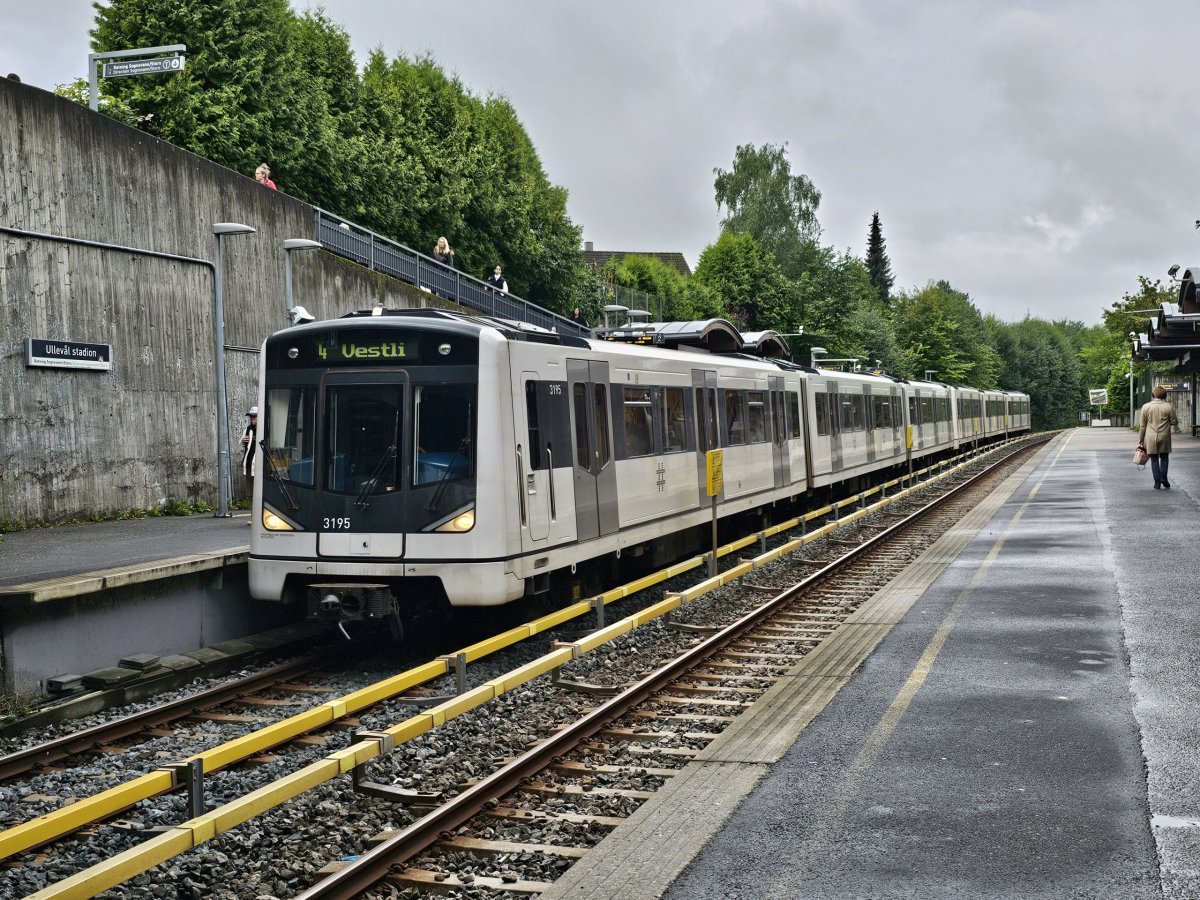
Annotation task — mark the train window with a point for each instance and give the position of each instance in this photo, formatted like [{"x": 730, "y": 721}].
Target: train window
[
  {"x": 793, "y": 404},
  {"x": 639, "y": 422},
  {"x": 882, "y": 411},
  {"x": 897, "y": 405},
  {"x": 852, "y": 413},
  {"x": 291, "y": 433},
  {"x": 756, "y": 419},
  {"x": 943, "y": 409},
  {"x": 735, "y": 420},
  {"x": 362, "y": 435},
  {"x": 671, "y": 419},
  {"x": 531, "y": 417},
  {"x": 600, "y": 400},
  {"x": 927, "y": 411},
  {"x": 912, "y": 411},
  {"x": 822, "y": 413},
  {"x": 778, "y": 419},
  {"x": 444, "y": 432},
  {"x": 706, "y": 415},
  {"x": 583, "y": 458}
]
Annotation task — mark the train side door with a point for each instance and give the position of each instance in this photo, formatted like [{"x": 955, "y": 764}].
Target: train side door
[
  {"x": 536, "y": 473},
  {"x": 546, "y": 458},
  {"x": 835, "y": 426},
  {"x": 779, "y": 432},
  {"x": 704, "y": 392},
  {"x": 592, "y": 464}
]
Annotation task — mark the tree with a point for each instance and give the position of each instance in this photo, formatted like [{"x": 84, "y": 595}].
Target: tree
[
  {"x": 766, "y": 201},
  {"x": 1041, "y": 360},
  {"x": 403, "y": 149},
  {"x": 941, "y": 330},
  {"x": 753, "y": 291},
  {"x": 878, "y": 264}
]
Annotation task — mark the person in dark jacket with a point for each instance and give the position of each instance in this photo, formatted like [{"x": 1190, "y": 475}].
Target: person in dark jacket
[
  {"x": 249, "y": 445},
  {"x": 497, "y": 281},
  {"x": 443, "y": 254}
]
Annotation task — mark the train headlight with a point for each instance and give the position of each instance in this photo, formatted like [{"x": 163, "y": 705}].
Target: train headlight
[
  {"x": 463, "y": 520},
  {"x": 272, "y": 522}
]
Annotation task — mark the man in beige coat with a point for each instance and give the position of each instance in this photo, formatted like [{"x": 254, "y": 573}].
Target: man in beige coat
[{"x": 1158, "y": 419}]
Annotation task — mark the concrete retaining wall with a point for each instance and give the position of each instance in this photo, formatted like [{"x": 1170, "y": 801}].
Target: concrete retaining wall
[{"x": 83, "y": 443}]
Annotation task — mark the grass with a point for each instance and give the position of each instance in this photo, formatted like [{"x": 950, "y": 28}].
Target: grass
[{"x": 173, "y": 507}]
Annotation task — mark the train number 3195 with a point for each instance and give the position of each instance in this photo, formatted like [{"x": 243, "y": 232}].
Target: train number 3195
[{"x": 338, "y": 524}]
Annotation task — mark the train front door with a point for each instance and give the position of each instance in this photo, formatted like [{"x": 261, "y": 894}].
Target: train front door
[{"x": 595, "y": 474}]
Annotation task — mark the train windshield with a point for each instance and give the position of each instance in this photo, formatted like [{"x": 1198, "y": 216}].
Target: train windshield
[
  {"x": 362, "y": 427},
  {"x": 291, "y": 434}
]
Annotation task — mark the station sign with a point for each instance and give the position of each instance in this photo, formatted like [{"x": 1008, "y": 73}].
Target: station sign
[
  {"x": 67, "y": 354},
  {"x": 1098, "y": 396},
  {"x": 159, "y": 66}
]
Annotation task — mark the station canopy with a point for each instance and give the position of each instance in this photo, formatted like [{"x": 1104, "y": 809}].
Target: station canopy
[
  {"x": 709, "y": 335},
  {"x": 1174, "y": 334}
]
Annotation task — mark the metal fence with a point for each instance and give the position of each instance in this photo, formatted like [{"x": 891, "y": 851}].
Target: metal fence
[
  {"x": 380, "y": 254},
  {"x": 632, "y": 298}
]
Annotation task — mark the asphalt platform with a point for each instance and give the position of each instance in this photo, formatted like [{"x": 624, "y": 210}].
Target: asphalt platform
[
  {"x": 1021, "y": 720},
  {"x": 158, "y": 543}
]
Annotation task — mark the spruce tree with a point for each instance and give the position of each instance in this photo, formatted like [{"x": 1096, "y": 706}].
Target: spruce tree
[{"x": 878, "y": 265}]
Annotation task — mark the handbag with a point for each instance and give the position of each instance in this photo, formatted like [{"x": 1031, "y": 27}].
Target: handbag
[{"x": 1140, "y": 457}]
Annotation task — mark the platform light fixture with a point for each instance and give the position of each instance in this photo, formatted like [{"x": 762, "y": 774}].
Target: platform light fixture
[
  {"x": 288, "y": 246},
  {"x": 1132, "y": 351},
  {"x": 220, "y": 230}
]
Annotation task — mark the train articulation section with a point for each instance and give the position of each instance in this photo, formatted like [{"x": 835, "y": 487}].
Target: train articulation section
[{"x": 427, "y": 454}]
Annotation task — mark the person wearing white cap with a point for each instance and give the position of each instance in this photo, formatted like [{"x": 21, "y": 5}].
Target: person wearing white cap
[{"x": 249, "y": 442}]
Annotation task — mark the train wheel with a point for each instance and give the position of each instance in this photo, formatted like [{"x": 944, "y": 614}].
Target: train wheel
[{"x": 395, "y": 627}]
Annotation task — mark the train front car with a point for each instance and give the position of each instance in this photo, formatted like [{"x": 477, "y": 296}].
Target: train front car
[{"x": 370, "y": 475}]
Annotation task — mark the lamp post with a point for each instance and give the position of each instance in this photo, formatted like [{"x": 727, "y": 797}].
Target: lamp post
[
  {"x": 1133, "y": 350},
  {"x": 288, "y": 246},
  {"x": 219, "y": 230}
]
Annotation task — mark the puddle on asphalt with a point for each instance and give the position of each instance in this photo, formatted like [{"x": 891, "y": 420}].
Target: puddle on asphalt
[{"x": 1160, "y": 821}]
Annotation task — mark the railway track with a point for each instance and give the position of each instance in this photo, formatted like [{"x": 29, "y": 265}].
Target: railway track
[{"x": 703, "y": 702}]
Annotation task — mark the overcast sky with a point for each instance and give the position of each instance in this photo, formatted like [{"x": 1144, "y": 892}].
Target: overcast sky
[{"x": 1039, "y": 155}]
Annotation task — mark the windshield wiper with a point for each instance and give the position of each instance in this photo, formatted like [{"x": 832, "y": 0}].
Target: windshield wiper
[
  {"x": 362, "y": 501},
  {"x": 441, "y": 488},
  {"x": 287, "y": 494}
]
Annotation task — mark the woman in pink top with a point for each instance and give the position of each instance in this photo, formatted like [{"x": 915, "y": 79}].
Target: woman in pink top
[{"x": 263, "y": 176}]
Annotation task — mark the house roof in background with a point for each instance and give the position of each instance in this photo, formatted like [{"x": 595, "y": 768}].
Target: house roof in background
[{"x": 598, "y": 259}]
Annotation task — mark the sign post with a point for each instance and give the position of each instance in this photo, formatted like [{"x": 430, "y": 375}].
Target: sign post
[
  {"x": 159, "y": 66},
  {"x": 1098, "y": 397},
  {"x": 714, "y": 471}
]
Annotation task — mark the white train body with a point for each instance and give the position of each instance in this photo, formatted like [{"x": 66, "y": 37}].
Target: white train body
[{"x": 444, "y": 450}]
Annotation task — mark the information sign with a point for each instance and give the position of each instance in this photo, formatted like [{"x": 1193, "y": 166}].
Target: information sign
[
  {"x": 714, "y": 470},
  {"x": 67, "y": 354},
  {"x": 1098, "y": 396},
  {"x": 163, "y": 64}
]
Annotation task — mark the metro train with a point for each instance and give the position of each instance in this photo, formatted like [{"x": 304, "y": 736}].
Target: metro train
[{"x": 422, "y": 453}]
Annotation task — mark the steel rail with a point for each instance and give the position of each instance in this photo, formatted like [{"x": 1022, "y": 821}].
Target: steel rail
[
  {"x": 22, "y": 761},
  {"x": 371, "y": 866}
]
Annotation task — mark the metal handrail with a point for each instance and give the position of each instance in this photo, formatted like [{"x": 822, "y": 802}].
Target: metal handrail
[{"x": 380, "y": 254}]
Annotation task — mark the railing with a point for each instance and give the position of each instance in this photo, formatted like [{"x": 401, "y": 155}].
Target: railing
[
  {"x": 632, "y": 298},
  {"x": 380, "y": 254}
]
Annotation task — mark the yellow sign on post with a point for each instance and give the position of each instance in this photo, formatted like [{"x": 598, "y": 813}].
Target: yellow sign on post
[{"x": 714, "y": 470}]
